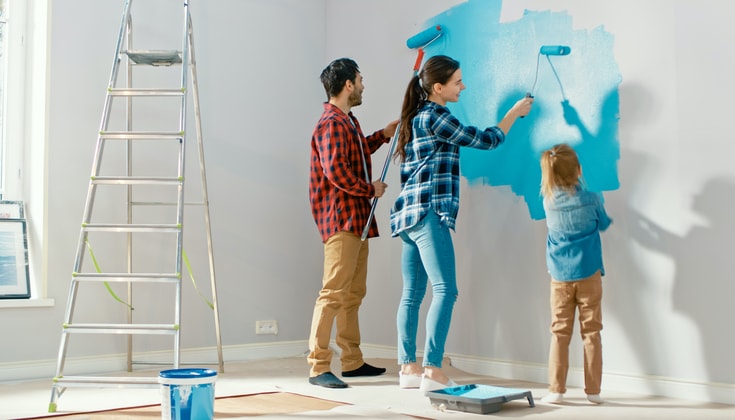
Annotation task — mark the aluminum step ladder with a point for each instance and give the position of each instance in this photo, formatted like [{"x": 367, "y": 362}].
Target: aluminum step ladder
[{"x": 95, "y": 232}]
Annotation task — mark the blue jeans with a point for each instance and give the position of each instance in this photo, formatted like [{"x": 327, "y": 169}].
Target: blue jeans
[{"x": 428, "y": 255}]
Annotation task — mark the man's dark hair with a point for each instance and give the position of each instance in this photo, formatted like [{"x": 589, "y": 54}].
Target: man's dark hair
[{"x": 336, "y": 74}]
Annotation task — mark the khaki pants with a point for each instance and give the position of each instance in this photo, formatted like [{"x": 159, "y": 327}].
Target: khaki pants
[
  {"x": 343, "y": 288},
  {"x": 566, "y": 297}
]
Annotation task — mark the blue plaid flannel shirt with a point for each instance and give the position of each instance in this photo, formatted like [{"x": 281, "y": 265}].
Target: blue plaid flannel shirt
[{"x": 430, "y": 171}]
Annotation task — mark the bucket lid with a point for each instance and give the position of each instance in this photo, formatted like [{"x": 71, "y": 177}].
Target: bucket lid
[{"x": 187, "y": 373}]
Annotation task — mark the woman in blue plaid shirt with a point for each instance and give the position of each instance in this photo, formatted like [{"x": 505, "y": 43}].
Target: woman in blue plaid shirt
[{"x": 426, "y": 209}]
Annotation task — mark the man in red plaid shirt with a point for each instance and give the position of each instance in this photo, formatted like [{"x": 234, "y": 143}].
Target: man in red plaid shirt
[{"x": 340, "y": 190}]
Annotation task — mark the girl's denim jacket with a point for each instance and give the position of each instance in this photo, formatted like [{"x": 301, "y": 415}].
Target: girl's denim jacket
[{"x": 573, "y": 245}]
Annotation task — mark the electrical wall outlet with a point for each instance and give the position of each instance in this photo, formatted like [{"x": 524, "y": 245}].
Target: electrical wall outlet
[{"x": 266, "y": 327}]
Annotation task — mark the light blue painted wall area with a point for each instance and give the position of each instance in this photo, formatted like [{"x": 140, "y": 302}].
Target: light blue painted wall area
[{"x": 499, "y": 62}]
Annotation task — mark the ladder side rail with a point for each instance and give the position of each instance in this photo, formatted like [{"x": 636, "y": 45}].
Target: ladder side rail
[
  {"x": 129, "y": 191},
  {"x": 57, "y": 390},
  {"x": 205, "y": 194},
  {"x": 83, "y": 235},
  {"x": 90, "y": 195},
  {"x": 104, "y": 120},
  {"x": 180, "y": 192},
  {"x": 118, "y": 47}
]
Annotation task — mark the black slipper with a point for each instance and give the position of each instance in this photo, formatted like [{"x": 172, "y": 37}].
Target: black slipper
[
  {"x": 364, "y": 370},
  {"x": 327, "y": 380}
]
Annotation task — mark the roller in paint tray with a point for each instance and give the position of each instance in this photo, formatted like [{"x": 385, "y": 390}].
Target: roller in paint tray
[{"x": 547, "y": 50}]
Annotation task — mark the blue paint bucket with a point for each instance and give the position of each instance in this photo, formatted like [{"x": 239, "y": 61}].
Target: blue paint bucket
[{"x": 188, "y": 394}]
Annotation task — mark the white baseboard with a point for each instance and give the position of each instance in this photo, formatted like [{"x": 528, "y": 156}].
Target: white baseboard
[
  {"x": 90, "y": 365},
  {"x": 533, "y": 372}
]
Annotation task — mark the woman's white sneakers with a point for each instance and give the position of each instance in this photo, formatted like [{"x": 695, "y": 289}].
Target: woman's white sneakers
[
  {"x": 557, "y": 398},
  {"x": 432, "y": 385},
  {"x": 407, "y": 381}
]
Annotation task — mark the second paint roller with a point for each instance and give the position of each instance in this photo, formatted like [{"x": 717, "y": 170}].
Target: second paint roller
[{"x": 548, "y": 50}]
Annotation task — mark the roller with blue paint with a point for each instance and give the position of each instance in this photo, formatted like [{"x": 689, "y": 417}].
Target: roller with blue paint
[
  {"x": 548, "y": 50},
  {"x": 554, "y": 50},
  {"x": 422, "y": 40},
  {"x": 419, "y": 41},
  {"x": 425, "y": 37}
]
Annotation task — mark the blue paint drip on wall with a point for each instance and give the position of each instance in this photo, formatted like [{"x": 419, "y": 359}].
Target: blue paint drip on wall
[{"x": 498, "y": 63}]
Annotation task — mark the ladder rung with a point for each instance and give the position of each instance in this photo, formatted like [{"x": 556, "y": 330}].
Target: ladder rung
[
  {"x": 129, "y": 277},
  {"x": 187, "y": 363},
  {"x": 121, "y": 328},
  {"x": 146, "y": 92},
  {"x": 139, "y": 135},
  {"x": 99, "y": 227},
  {"x": 165, "y": 203},
  {"x": 136, "y": 180},
  {"x": 110, "y": 381},
  {"x": 154, "y": 57}
]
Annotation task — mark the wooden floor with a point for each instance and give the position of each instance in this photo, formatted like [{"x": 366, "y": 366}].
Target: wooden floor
[
  {"x": 281, "y": 380},
  {"x": 271, "y": 403}
]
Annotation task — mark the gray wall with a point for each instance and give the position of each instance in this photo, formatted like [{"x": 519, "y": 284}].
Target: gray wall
[{"x": 667, "y": 307}]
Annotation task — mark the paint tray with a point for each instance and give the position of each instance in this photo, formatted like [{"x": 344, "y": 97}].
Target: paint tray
[{"x": 478, "y": 399}]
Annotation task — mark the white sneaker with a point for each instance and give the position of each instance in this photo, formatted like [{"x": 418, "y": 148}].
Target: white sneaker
[
  {"x": 554, "y": 398},
  {"x": 432, "y": 385},
  {"x": 595, "y": 398},
  {"x": 407, "y": 381}
]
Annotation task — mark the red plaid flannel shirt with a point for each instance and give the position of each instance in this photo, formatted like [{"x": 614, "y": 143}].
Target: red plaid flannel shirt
[{"x": 338, "y": 191}]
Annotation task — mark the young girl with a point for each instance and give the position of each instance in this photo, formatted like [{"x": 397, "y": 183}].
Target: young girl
[
  {"x": 426, "y": 208},
  {"x": 574, "y": 218}
]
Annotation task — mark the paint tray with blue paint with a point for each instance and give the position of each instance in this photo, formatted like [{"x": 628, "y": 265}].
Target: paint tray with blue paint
[{"x": 478, "y": 399}]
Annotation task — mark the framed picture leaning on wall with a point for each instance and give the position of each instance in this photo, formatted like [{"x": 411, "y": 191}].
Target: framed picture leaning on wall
[
  {"x": 11, "y": 210},
  {"x": 14, "y": 279}
]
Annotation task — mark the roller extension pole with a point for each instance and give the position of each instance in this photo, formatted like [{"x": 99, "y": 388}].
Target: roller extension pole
[
  {"x": 419, "y": 41},
  {"x": 391, "y": 149}
]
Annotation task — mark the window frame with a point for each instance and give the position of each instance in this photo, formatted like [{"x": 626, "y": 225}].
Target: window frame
[
  {"x": 3, "y": 84},
  {"x": 25, "y": 131},
  {"x": 13, "y": 97}
]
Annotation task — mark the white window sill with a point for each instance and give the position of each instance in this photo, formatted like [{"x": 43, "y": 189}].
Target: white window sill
[{"x": 26, "y": 303}]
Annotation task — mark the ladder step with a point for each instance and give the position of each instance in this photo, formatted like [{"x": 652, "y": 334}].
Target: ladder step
[
  {"x": 154, "y": 57},
  {"x": 146, "y": 92},
  {"x": 165, "y": 203},
  {"x": 141, "y": 135},
  {"x": 110, "y": 227},
  {"x": 121, "y": 328},
  {"x": 129, "y": 277},
  {"x": 110, "y": 381},
  {"x": 136, "y": 180}
]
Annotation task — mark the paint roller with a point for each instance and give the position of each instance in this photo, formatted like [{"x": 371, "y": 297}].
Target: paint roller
[
  {"x": 422, "y": 40},
  {"x": 554, "y": 50},
  {"x": 418, "y": 42},
  {"x": 548, "y": 50}
]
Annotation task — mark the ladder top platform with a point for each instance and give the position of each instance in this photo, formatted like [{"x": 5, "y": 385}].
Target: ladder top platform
[{"x": 155, "y": 57}]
